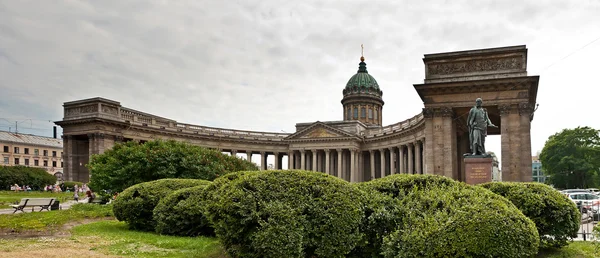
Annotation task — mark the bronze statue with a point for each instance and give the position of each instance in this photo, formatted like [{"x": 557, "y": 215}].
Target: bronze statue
[{"x": 478, "y": 123}]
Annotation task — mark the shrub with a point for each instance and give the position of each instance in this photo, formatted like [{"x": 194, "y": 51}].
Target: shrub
[
  {"x": 556, "y": 217},
  {"x": 136, "y": 204},
  {"x": 284, "y": 214},
  {"x": 36, "y": 178},
  {"x": 130, "y": 163},
  {"x": 71, "y": 184},
  {"x": 180, "y": 213},
  {"x": 445, "y": 218}
]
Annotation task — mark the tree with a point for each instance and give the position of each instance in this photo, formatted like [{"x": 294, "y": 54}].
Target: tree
[
  {"x": 571, "y": 158},
  {"x": 130, "y": 163}
]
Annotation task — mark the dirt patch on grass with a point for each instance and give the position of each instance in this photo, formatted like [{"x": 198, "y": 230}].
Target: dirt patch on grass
[
  {"x": 63, "y": 231},
  {"x": 80, "y": 251}
]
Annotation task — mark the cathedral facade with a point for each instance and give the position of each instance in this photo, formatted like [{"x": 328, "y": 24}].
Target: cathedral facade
[{"x": 358, "y": 147}]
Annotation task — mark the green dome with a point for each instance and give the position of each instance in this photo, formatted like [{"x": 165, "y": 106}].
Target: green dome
[{"x": 362, "y": 81}]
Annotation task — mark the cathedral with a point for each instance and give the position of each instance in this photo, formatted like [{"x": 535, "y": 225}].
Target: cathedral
[{"x": 358, "y": 147}]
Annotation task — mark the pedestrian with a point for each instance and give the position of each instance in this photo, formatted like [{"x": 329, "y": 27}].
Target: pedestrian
[{"x": 76, "y": 196}]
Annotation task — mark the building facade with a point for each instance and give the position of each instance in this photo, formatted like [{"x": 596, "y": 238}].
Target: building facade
[
  {"x": 33, "y": 151},
  {"x": 537, "y": 174},
  {"x": 357, "y": 147}
]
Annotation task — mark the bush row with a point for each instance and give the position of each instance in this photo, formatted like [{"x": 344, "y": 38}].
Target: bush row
[
  {"x": 36, "y": 178},
  {"x": 310, "y": 214},
  {"x": 130, "y": 163}
]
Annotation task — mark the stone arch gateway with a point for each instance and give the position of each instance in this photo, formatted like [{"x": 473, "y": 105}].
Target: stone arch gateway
[{"x": 355, "y": 148}]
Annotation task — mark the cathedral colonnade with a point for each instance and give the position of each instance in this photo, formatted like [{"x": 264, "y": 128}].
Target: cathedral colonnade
[{"x": 357, "y": 147}]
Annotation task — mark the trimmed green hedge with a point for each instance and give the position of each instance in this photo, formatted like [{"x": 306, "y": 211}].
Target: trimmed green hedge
[
  {"x": 130, "y": 163},
  {"x": 445, "y": 218},
  {"x": 36, "y": 178},
  {"x": 284, "y": 214},
  {"x": 136, "y": 204},
  {"x": 180, "y": 213},
  {"x": 556, "y": 217}
]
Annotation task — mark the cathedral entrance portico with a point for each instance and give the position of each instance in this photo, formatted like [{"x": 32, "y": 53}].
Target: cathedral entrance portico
[{"x": 452, "y": 83}]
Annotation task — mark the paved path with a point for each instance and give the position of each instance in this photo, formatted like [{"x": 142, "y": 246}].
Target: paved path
[{"x": 63, "y": 206}]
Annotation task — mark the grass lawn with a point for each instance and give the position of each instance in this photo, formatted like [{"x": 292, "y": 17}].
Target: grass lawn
[
  {"x": 8, "y": 198},
  {"x": 111, "y": 239},
  {"x": 49, "y": 221},
  {"x": 576, "y": 249}
]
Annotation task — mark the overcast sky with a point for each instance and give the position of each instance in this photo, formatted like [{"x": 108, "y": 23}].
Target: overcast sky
[{"x": 266, "y": 65}]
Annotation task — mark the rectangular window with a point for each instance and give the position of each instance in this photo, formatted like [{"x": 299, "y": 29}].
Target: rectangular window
[
  {"x": 349, "y": 115},
  {"x": 45, "y": 153},
  {"x": 26, "y": 162},
  {"x": 26, "y": 150},
  {"x": 53, "y": 153},
  {"x": 36, "y": 152},
  {"x": 5, "y": 148},
  {"x": 16, "y": 161},
  {"x": 355, "y": 115},
  {"x": 6, "y": 160},
  {"x": 363, "y": 113},
  {"x": 36, "y": 162},
  {"x": 53, "y": 164},
  {"x": 16, "y": 150},
  {"x": 45, "y": 163},
  {"x": 370, "y": 113},
  {"x": 376, "y": 114}
]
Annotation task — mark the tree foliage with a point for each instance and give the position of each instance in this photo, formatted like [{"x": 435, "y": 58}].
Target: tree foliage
[
  {"x": 36, "y": 178},
  {"x": 130, "y": 163},
  {"x": 571, "y": 158}
]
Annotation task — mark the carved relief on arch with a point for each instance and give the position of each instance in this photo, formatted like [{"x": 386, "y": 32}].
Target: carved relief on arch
[
  {"x": 505, "y": 109},
  {"x": 525, "y": 109},
  {"x": 438, "y": 112}
]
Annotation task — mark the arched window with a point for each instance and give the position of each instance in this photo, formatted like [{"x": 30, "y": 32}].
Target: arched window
[
  {"x": 363, "y": 113},
  {"x": 370, "y": 113},
  {"x": 355, "y": 113},
  {"x": 377, "y": 114}
]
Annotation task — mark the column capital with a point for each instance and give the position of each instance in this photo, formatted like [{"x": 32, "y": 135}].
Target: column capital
[
  {"x": 382, "y": 150},
  {"x": 326, "y": 150},
  {"x": 234, "y": 151},
  {"x": 276, "y": 153},
  {"x": 505, "y": 109},
  {"x": 525, "y": 109},
  {"x": 262, "y": 153},
  {"x": 391, "y": 149},
  {"x": 313, "y": 150},
  {"x": 339, "y": 150},
  {"x": 410, "y": 144},
  {"x": 371, "y": 151},
  {"x": 302, "y": 151}
]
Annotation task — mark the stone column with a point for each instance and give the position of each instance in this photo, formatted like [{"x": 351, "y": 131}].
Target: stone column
[
  {"x": 401, "y": 161},
  {"x": 327, "y": 163},
  {"x": 372, "y": 161},
  {"x": 314, "y": 160},
  {"x": 68, "y": 157},
  {"x": 392, "y": 158},
  {"x": 525, "y": 110},
  {"x": 249, "y": 156},
  {"x": 303, "y": 159},
  {"x": 339, "y": 161},
  {"x": 291, "y": 160},
  {"x": 263, "y": 161},
  {"x": 276, "y": 154},
  {"x": 353, "y": 165},
  {"x": 382, "y": 160},
  {"x": 418, "y": 158},
  {"x": 411, "y": 167}
]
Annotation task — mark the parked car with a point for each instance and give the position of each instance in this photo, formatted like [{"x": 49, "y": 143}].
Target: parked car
[
  {"x": 587, "y": 201},
  {"x": 594, "y": 190}
]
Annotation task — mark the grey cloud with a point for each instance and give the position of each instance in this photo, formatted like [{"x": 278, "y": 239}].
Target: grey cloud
[{"x": 262, "y": 65}]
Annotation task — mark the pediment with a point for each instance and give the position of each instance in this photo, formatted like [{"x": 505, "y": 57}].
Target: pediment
[{"x": 319, "y": 130}]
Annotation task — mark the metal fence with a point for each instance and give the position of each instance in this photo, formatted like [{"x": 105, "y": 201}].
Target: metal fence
[{"x": 590, "y": 216}]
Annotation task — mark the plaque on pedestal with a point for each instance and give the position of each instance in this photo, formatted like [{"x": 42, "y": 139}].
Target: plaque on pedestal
[{"x": 478, "y": 169}]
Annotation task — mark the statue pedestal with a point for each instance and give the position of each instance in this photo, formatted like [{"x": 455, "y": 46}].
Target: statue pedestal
[{"x": 478, "y": 169}]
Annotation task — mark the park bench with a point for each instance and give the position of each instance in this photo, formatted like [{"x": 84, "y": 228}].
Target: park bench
[{"x": 43, "y": 203}]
